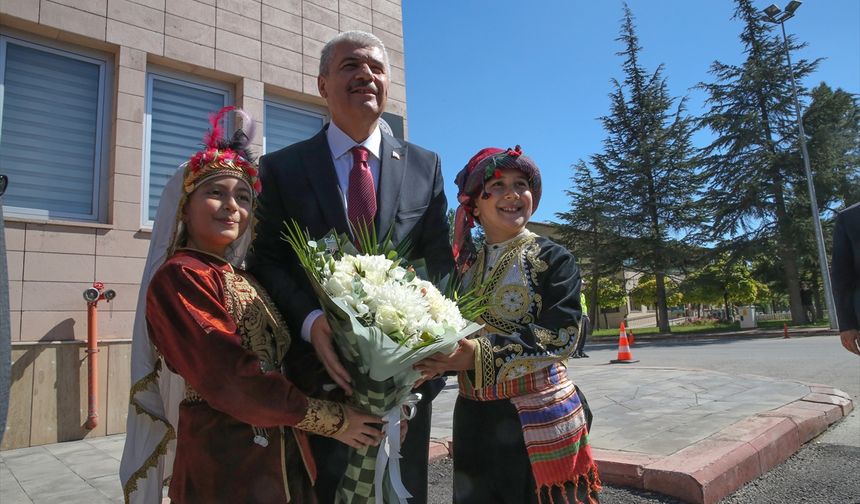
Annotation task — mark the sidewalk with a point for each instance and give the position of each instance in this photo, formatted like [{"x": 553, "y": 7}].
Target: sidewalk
[{"x": 697, "y": 435}]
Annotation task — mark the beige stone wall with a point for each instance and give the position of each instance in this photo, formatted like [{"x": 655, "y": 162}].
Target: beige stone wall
[
  {"x": 48, "y": 400},
  {"x": 261, "y": 48}
]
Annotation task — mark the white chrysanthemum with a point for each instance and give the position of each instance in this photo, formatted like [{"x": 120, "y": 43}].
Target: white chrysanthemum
[
  {"x": 412, "y": 308},
  {"x": 339, "y": 283},
  {"x": 445, "y": 312},
  {"x": 389, "y": 320},
  {"x": 407, "y": 301},
  {"x": 373, "y": 268}
]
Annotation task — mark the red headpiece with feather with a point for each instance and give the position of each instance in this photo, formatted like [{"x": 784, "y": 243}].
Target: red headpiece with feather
[{"x": 221, "y": 156}]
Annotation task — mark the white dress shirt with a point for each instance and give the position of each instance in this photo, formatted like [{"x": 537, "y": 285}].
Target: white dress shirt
[{"x": 340, "y": 145}]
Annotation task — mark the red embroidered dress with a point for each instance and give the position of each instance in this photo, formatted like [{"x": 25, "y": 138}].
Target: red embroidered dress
[{"x": 240, "y": 436}]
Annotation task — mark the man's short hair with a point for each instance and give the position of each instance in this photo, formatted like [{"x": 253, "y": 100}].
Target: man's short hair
[{"x": 355, "y": 37}]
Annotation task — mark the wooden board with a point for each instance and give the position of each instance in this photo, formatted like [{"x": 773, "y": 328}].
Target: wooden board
[
  {"x": 17, "y": 434},
  {"x": 119, "y": 382}
]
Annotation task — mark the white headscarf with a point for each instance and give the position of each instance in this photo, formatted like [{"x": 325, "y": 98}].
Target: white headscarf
[{"x": 153, "y": 412}]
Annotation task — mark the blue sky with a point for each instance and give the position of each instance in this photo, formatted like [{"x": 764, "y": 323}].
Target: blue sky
[{"x": 505, "y": 72}]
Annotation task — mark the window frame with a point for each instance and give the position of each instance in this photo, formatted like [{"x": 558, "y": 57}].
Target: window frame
[
  {"x": 293, "y": 106},
  {"x": 101, "y": 154},
  {"x": 179, "y": 78}
]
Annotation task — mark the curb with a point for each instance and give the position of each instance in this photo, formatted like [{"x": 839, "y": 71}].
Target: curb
[
  {"x": 440, "y": 448},
  {"x": 710, "y": 469}
]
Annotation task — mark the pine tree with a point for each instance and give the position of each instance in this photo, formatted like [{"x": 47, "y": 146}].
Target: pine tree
[
  {"x": 649, "y": 166},
  {"x": 832, "y": 125},
  {"x": 588, "y": 232},
  {"x": 752, "y": 165}
]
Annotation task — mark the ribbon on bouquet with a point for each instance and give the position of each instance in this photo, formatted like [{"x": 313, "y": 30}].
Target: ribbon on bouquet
[{"x": 389, "y": 450}]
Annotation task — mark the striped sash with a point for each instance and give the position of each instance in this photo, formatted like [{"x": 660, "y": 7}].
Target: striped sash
[{"x": 554, "y": 426}]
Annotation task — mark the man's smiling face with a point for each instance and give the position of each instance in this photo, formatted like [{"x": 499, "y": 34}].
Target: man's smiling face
[{"x": 356, "y": 84}]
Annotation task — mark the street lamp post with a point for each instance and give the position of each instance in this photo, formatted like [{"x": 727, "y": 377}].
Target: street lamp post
[{"x": 774, "y": 15}]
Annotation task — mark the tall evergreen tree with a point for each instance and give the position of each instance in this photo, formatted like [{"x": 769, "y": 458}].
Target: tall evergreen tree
[
  {"x": 648, "y": 165},
  {"x": 752, "y": 165},
  {"x": 832, "y": 125},
  {"x": 587, "y": 230}
]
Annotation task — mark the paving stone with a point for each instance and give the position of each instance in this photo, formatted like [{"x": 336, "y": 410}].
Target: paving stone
[
  {"x": 109, "y": 486},
  {"x": 10, "y": 490}
]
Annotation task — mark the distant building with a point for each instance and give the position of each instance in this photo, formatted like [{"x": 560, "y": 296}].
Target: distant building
[
  {"x": 101, "y": 101},
  {"x": 633, "y": 314}
]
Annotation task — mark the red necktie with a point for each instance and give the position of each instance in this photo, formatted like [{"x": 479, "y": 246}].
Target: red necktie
[{"x": 361, "y": 201}]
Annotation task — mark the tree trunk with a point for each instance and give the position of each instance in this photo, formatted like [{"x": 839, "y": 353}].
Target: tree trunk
[
  {"x": 726, "y": 304},
  {"x": 662, "y": 311},
  {"x": 787, "y": 253},
  {"x": 819, "y": 302},
  {"x": 785, "y": 239}
]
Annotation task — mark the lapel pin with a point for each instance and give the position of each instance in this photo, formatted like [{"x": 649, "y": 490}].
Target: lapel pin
[{"x": 395, "y": 154}]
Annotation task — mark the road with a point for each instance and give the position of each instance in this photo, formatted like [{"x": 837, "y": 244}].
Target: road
[{"x": 825, "y": 471}]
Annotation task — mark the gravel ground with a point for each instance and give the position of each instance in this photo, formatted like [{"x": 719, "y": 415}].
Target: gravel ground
[
  {"x": 440, "y": 474},
  {"x": 790, "y": 482}
]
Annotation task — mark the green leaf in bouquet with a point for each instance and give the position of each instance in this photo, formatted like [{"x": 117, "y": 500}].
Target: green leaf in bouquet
[
  {"x": 472, "y": 302},
  {"x": 366, "y": 238},
  {"x": 300, "y": 241}
]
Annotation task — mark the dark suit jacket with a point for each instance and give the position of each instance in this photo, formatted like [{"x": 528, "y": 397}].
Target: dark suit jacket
[
  {"x": 845, "y": 267},
  {"x": 299, "y": 182}
]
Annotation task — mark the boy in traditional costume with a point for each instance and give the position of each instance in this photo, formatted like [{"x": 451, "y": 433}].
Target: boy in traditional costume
[
  {"x": 239, "y": 423},
  {"x": 520, "y": 433}
]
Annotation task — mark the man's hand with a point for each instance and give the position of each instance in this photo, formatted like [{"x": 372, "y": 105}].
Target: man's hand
[
  {"x": 851, "y": 340},
  {"x": 362, "y": 429},
  {"x": 321, "y": 340},
  {"x": 461, "y": 359}
]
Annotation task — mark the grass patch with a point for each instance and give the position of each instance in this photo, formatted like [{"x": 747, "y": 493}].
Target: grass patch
[
  {"x": 707, "y": 327},
  {"x": 700, "y": 327},
  {"x": 777, "y": 324}
]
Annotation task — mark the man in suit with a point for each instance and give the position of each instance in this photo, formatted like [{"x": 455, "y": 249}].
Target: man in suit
[
  {"x": 351, "y": 172},
  {"x": 845, "y": 275}
]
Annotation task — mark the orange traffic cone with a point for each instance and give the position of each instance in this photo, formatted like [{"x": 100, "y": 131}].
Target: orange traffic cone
[
  {"x": 630, "y": 337},
  {"x": 624, "y": 354}
]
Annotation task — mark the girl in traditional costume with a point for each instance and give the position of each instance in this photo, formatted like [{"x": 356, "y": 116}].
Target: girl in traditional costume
[
  {"x": 209, "y": 349},
  {"x": 520, "y": 433}
]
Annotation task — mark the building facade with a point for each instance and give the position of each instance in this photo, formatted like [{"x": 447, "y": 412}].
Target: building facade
[{"x": 101, "y": 101}]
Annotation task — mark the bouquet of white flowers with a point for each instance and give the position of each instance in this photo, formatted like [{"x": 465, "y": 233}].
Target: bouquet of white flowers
[{"x": 384, "y": 318}]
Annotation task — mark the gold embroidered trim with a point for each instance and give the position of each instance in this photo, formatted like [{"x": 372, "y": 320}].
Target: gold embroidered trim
[
  {"x": 537, "y": 265},
  {"x": 485, "y": 372},
  {"x": 512, "y": 285},
  {"x": 161, "y": 448},
  {"x": 325, "y": 418},
  {"x": 512, "y": 301},
  {"x": 262, "y": 328},
  {"x": 192, "y": 396}
]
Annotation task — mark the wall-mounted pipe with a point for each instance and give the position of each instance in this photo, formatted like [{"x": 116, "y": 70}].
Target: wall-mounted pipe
[{"x": 92, "y": 296}]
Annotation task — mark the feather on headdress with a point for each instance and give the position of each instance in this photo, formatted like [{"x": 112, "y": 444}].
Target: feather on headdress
[{"x": 222, "y": 156}]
